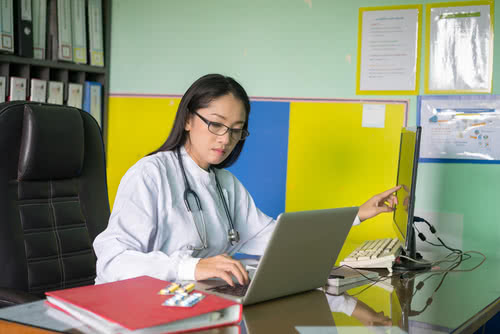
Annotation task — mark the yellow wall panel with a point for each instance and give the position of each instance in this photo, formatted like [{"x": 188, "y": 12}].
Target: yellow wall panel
[
  {"x": 136, "y": 127},
  {"x": 334, "y": 162}
]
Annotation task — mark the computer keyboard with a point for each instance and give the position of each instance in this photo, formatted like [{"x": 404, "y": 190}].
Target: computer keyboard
[
  {"x": 236, "y": 290},
  {"x": 379, "y": 253}
]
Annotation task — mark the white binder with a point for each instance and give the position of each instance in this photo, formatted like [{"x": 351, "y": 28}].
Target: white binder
[
  {"x": 64, "y": 36},
  {"x": 79, "y": 33},
  {"x": 38, "y": 90},
  {"x": 96, "y": 48},
  {"x": 39, "y": 8},
  {"x": 55, "y": 94},
  {"x": 17, "y": 89},
  {"x": 6, "y": 26},
  {"x": 3, "y": 88},
  {"x": 75, "y": 95}
]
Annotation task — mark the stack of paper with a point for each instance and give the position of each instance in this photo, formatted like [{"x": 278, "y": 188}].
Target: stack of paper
[{"x": 344, "y": 278}]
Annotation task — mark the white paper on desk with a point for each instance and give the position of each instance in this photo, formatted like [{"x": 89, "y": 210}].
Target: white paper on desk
[
  {"x": 348, "y": 329},
  {"x": 373, "y": 116},
  {"x": 35, "y": 314}
]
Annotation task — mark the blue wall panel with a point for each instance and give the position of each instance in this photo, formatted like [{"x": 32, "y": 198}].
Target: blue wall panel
[{"x": 262, "y": 164}]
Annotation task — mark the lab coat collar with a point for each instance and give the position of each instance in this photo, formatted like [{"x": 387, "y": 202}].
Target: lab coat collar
[{"x": 198, "y": 173}]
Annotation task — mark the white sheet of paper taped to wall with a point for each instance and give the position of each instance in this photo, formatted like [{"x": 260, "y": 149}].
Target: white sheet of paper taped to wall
[{"x": 373, "y": 116}]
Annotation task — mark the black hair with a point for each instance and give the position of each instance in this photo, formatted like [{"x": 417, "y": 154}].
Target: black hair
[{"x": 203, "y": 91}]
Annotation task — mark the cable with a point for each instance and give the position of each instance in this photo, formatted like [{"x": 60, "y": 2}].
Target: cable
[
  {"x": 358, "y": 271},
  {"x": 419, "y": 219}
]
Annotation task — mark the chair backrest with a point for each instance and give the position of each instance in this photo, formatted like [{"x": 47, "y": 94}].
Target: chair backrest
[{"x": 53, "y": 196}]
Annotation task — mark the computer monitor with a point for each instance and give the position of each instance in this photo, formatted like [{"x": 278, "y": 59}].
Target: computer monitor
[{"x": 403, "y": 213}]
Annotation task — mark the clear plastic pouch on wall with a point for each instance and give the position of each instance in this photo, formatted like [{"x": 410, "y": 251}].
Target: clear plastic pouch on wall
[
  {"x": 459, "y": 128},
  {"x": 460, "y": 54}
]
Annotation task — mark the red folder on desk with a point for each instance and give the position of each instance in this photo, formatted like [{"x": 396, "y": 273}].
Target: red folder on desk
[{"x": 135, "y": 304}]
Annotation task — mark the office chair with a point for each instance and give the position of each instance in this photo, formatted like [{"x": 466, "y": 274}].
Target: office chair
[{"x": 53, "y": 199}]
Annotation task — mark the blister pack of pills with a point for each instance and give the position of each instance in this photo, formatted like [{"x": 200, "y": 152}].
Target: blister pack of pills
[{"x": 184, "y": 299}]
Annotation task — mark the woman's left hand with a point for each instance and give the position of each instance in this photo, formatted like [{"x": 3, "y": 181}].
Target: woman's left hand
[{"x": 383, "y": 202}]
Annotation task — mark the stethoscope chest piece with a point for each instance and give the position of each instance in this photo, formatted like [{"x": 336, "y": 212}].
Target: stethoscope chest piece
[{"x": 233, "y": 236}]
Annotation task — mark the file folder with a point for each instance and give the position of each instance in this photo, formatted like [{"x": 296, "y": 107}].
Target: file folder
[
  {"x": 96, "y": 49},
  {"x": 75, "y": 95},
  {"x": 92, "y": 100},
  {"x": 61, "y": 47},
  {"x": 3, "y": 88},
  {"x": 39, "y": 10},
  {"x": 17, "y": 89},
  {"x": 55, "y": 94},
  {"x": 6, "y": 26},
  {"x": 79, "y": 31},
  {"x": 38, "y": 90},
  {"x": 134, "y": 305},
  {"x": 24, "y": 28}
]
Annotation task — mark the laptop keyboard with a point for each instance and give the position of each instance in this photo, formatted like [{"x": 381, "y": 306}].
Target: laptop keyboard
[{"x": 236, "y": 290}]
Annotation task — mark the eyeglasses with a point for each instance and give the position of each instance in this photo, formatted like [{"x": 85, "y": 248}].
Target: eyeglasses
[{"x": 220, "y": 129}]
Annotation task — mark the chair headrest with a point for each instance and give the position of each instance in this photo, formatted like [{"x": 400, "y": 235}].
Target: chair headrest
[{"x": 52, "y": 143}]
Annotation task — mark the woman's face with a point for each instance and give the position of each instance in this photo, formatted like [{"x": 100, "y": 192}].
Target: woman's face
[{"x": 205, "y": 147}]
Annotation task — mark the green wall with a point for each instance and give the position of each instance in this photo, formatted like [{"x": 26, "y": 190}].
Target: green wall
[{"x": 288, "y": 48}]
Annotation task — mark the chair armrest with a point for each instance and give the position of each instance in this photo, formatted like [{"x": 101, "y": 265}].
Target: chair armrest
[{"x": 9, "y": 297}]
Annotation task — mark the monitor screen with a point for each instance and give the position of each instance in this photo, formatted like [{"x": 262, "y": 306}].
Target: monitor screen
[{"x": 407, "y": 176}]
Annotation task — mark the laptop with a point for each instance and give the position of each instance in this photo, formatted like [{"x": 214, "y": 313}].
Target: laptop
[{"x": 299, "y": 257}]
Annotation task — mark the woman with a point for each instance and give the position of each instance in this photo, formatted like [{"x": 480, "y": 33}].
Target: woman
[{"x": 151, "y": 229}]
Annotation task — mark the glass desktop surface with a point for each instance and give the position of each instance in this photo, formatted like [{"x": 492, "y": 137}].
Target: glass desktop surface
[{"x": 462, "y": 296}]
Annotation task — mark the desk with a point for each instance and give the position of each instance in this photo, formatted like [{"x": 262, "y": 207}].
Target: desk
[{"x": 463, "y": 303}]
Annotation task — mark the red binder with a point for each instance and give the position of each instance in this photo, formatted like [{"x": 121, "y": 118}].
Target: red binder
[{"x": 135, "y": 304}]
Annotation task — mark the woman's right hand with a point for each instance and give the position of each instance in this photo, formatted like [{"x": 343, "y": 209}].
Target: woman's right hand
[{"x": 222, "y": 266}]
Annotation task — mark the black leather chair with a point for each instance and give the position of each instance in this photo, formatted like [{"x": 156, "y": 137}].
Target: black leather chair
[{"x": 53, "y": 199}]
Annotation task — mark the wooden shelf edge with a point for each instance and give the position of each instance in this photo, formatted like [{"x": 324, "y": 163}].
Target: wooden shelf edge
[{"x": 52, "y": 64}]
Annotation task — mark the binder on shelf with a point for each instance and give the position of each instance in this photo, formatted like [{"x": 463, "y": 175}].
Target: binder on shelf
[
  {"x": 23, "y": 36},
  {"x": 39, "y": 9},
  {"x": 38, "y": 90},
  {"x": 7, "y": 26},
  {"x": 134, "y": 304},
  {"x": 17, "y": 89},
  {"x": 79, "y": 34},
  {"x": 61, "y": 47},
  {"x": 3, "y": 88},
  {"x": 75, "y": 95},
  {"x": 55, "y": 92},
  {"x": 96, "y": 49},
  {"x": 92, "y": 100}
]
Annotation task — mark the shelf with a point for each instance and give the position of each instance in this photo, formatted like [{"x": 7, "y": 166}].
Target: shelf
[{"x": 51, "y": 64}]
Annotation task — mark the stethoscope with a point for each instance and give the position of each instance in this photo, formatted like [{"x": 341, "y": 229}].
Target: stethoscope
[{"x": 232, "y": 235}]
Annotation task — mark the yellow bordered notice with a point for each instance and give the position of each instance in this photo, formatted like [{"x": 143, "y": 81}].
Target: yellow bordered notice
[
  {"x": 459, "y": 56},
  {"x": 389, "y": 41}
]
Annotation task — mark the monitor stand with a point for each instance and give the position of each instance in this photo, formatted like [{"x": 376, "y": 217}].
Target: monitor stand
[{"x": 401, "y": 264}]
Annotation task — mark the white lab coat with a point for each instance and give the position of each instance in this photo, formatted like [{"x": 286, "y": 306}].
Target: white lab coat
[{"x": 150, "y": 229}]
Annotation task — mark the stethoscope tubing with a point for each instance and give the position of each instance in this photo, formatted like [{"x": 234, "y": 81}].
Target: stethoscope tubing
[{"x": 233, "y": 235}]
